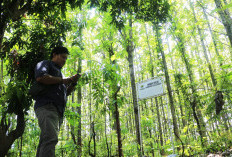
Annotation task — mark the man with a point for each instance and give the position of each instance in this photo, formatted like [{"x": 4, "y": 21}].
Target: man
[{"x": 49, "y": 107}]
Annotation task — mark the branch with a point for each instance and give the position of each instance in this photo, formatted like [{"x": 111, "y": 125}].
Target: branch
[
  {"x": 116, "y": 92},
  {"x": 16, "y": 133},
  {"x": 73, "y": 137},
  {"x": 213, "y": 16},
  {"x": 16, "y": 13},
  {"x": 214, "y": 31}
]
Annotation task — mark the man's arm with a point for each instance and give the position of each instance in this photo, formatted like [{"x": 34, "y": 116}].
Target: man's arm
[
  {"x": 42, "y": 74},
  {"x": 48, "y": 79},
  {"x": 70, "y": 82},
  {"x": 70, "y": 89}
]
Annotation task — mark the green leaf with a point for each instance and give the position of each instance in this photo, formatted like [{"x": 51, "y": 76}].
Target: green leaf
[
  {"x": 113, "y": 58},
  {"x": 222, "y": 9}
]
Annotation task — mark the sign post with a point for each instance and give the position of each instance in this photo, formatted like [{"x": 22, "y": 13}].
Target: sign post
[{"x": 150, "y": 88}]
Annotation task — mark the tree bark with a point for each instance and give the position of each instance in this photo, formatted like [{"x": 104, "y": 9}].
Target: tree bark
[
  {"x": 178, "y": 93},
  {"x": 171, "y": 102},
  {"x": 156, "y": 101},
  {"x": 107, "y": 145},
  {"x": 6, "y": 140},
  {"x": 130, "y": 49},
  {"x": 226, "y": 19},
  {"x": 212, "y": 35},
  {"x": 116, "y": 113},
  {"x": 2, "y": 32},
  {"x": 160, "y": 128},
  {"x": 194, "y": 102},
  {"x": 116, "y": 89},
  {"x": 165, "y": 122},
  {"x": 204, "y": 48},
  {"x": 79, "y": 96},
  {"x": 1, "y": 76},
  {"x": 92, "y": 131}
]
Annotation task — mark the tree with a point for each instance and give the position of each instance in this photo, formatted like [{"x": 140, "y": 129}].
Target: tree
[
  {"x": 13, "y": 15},
  {"x": 167, "y": 78},
  {"x": 226, "y": 19},
  {"x": 204, "y": 47},
  {"x": 146, "y": 10},
  {"x": 156, "y": 101},
  {"x": 111, "y": 77},
  {"x": 194, "y": 102},
  {"x": 106, "y": 114},
  {"x": 130, "y": 50}
]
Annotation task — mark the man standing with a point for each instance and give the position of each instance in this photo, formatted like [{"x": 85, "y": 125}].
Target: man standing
[{"x": 49, "y": 107}]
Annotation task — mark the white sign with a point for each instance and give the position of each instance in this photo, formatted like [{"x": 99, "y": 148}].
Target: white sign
[{"x": 150, "y": 88}]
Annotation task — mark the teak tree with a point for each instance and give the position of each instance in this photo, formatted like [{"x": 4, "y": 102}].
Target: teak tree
[
  {"x": 13, "y": 14},
  {"x": 108, "y": 42}
]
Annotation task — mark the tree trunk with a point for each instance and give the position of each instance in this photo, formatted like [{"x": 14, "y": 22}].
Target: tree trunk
[
  {"x": 212, "y": 35},
  {"x": 91, "y": 131},
  {"x": 111, "y": 139},
  {"x": 72, "y": 127},
  {"x": 116, "y": 113},
  {"x": 116, "y": 89},
  {"x": 156, "y": 101},
  {"x": 21, "y": 146},
  {"x": 7, "y": 139},
  {"x": 226, "y": 19},
  {"x": 181, "y": 109},
  {"x": 107, "y": 145},
  {"x": 130, "y": 50},
  {"x": 160, "y": 129},
  {"x": 204, "y": 48},
  {"x": 171, "y": 102},
  {"x": 150, "y": 54},
  {"x": 165, "y": 122},
  {"x": 216, "y": 49},
  {"x": 194, "y": 101},
  {"x": 94, "y": 137},
  {"x": 1, "y": 77},
  {"x": 79, "y": 95},
  {"x": 3, "y": 26},
  {"x": 178, "y": 93},
  {"x": 200, "y": 64}
]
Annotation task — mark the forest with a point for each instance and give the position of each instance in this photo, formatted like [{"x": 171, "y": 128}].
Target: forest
[{"x": 116, "y": 44}]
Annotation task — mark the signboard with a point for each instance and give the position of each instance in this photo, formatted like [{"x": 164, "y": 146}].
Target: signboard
[{"x": 150, "y": 88}]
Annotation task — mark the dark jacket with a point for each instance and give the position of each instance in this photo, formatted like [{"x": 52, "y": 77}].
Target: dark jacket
[{"x": 57, "y": 93}]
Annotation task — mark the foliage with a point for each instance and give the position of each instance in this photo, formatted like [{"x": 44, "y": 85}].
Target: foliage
[
  {"x": 92, "y": 33},
  {"x": 147, "y": 10},
  {"x": 219, "y": 143},
  {"x": 16, "y": 98}
]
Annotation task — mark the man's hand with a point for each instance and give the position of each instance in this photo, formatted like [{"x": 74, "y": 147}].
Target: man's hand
[
  {"x": 48, "y": 79},
  {"x": 72, "y": 79},
  {"x": 75, "y": 78}
]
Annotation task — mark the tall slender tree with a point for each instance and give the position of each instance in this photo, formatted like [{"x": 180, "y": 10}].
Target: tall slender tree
[
  {"x": 226, "y": 19},
  {"x": 194, "y": 102},
  {"x": 203, "y": 46},
  {"x": 79, "y": 98},
  {"x": 130, "y": 51},
  {"x": 167, "y": 79},
  {"x": 156, "y": 101},
  {"x": 211, "y": 33}
]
